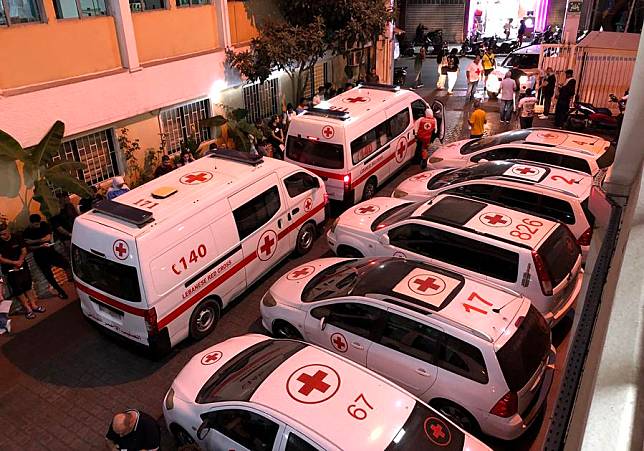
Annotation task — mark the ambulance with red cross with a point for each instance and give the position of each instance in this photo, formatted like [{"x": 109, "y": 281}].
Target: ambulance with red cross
[
  {"x": 359, "y": 139},
  {"x": 534, "y": 256},
  {"x": 452, "y": 340},
  {"x": 160, "y": 262},
  {"x": 253, "y": 393}
]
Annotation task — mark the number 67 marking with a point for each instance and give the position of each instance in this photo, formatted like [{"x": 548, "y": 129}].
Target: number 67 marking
[{"x": 357, "y": 412}]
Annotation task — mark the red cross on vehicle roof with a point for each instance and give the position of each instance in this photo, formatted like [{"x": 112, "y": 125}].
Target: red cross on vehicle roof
[
  {"x": 356, "y": 99},
  {"x": 315, "y": 382},
  {"x": 496, "y": 219},
  {"x": 426, "y": 284}
]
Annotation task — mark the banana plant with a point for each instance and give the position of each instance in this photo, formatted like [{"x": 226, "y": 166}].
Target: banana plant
[{"x": 40, "y": 172}]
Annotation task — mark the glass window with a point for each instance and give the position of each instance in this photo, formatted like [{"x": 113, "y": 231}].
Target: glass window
[
  {"x": 483, "y": 192},
  {"x": 368, "y": 143},
  {"x": 92, "y": 8},
  {"x": 184, "y": 123},
  {"x": 418, "y": 108},
  {"x": 514, "y": 198},
  {"x": 463, "y": 359},
  {"x": 560, "y": 253},
  {"x": 192, "y": 2},
  {"x": 297, "y": 443},
  {"x": 540, "y": 156},
  {"x": 21, "y": 11},
  {"x": 145, "y": 5},
  {"x": 396, "y": 214},
  {"x": 69, "y": 9},
  {"x": 3, "y": 17},
  {"x": 66, "y": 9},
  {"x": 398, "y": 123},
  {"x": 315, "y": 153},
  {"x": 410, "y": 337},
  {"x": 413, "y": 237},
  {"x": 299, "y": 183},
  {"x": 494, "y": 140},
  {"x": 557, "y": 209},
  {"x": 249, "y": 429},
  {"x": 96, "y": 151},
  {"x": 496, "y": 154},
  {"x": 575, "y": 163},
  {"x": 356, "y": 318},
  {"x": 256, "y": 212},
  {"x": 116, "y": 279}
]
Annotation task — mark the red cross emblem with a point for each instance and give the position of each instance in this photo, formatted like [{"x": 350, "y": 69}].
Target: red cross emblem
[
  {"x": 313, "y": 384},
  {"x": 399, "y": 254},
  {"x": 266, "y": 245},
  {"x": 524, "y": 171},
  {"x": 367, "y": 209},
  {"x": 359, "y": 99},
  {"x": 339, "y": 342},
  {"x": 211, "y": 357},
  {"x": 120, "y": 249},
  {"x": 301, "y": 273},
  {"x": 426, "y": 285},
  {"x": 437, "y": 431},
  {"x": 420, "y": 177},
  {"x": 328, "y": 132},
  {"x": 195, "y": 178},
  {"x": 495, "y": 219},
  {"x": 581, "y": 143},
  {"x": 547, "y": 135},
  {"x": 308, "y": 203},
  {"x": 400, "y": 150}
]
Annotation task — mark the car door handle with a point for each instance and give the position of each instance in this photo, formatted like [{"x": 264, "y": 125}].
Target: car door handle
[
  {"x": 279, "y": 223},
  {"x": 357, "y": 345},
  {"x": 295, "y": 211},
  {"x": 422, "y": 372}
]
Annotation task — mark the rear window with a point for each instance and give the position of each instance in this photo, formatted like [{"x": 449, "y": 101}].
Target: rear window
[
  {"x": 494, "y": 140},
  {"x": 315, "y": 153},
  {"x": 607, "y": 157},
  {"x": 241, "y": 376},
  {"x": 520, "y": 357},
  {"x": 113, "y": 278},
  {"x": 560, "y": 253}
]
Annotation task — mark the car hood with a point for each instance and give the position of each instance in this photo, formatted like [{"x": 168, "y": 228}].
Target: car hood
[{"x": 365, "y": 213}]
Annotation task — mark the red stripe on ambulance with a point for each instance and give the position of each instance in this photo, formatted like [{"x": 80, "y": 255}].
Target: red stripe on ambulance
[{"x": 109, "y": 301}]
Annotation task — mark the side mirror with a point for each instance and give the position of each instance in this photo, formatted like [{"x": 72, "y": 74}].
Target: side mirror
[
  {"x": 323, "y": 323},
  {"x": 203, "y": 430},
  {"x": 384, "y": 239}
]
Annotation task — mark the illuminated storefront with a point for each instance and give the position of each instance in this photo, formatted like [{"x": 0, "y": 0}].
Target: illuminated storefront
[{"x": 489, "y": 16}]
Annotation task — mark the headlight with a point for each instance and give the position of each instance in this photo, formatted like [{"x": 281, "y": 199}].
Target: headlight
[
  {"x": 169, "y": 399},
  {"x": 334, "y": 225},
  {"x": 399, "y": 193},
  {"x": 523, "y": 79},
  {"x": 268, "y": 300}
]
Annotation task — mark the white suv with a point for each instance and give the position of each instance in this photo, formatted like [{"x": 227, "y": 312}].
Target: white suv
[
  {"x": 477, "y": 352},
  {"x": 581, "y": 152},
  {"x": 534, "y": 256},
  {"x": 546, "y": 191}
]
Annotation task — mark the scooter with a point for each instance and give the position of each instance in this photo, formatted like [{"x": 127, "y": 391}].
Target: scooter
[
  {"x": 585, "y": 115},
  {"x": 400, "y": 75}
]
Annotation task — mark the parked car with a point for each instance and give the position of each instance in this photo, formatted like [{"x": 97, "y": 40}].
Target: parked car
[{"x": 523, "y": 64}]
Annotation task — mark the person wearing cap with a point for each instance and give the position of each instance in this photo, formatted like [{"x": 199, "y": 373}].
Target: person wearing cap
[
  {"x": 12, "y": 262},
  {"x": 118, "y": 187},
  {"x": 526, "y": 108},
  {"x": 424, "y": 136},
  {"x": 165, "y": 167}
]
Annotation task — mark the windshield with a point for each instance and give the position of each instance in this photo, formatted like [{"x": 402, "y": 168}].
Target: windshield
[
  {"x": 394, "y": 215},
  {"x": 476, "y": 172},
  {"x": 337, "y": 280},
  {"x": 315, "y": 153},
  {"x": 426, "y": 430},
  {"x": 521, "y": 356},
  {"x": 560, "y": 253},
  {"x": 522, "y": 61},
  {"x": 116, "y": 279},
  {"x": 242, "y": 375},
  {"x": 494, "y": 140}
]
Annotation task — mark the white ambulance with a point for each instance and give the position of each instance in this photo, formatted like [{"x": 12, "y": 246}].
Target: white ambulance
[
  {"x": 160, "y": 262},
  {"x": 359, "y": 139}
]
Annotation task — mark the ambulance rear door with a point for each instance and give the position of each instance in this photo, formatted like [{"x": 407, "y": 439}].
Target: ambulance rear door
[{"x": 439, "y": 113}]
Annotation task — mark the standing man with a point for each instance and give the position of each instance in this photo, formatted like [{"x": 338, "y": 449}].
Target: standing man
[
  {"x": 424, "y": 135},
  {"x": 506, "y": 29},
  {"x": 418, "y": 67},
  {"x": 547, "y": 91},
  {"x": 63, "y": 223},
  {"x": 441, "y": 62},
  {"x": 133, "y": 430},
  {"x": 477, "y": 120},
  {"x": 566, "y": 93},
  {"x": 521, "y": 32},
  {"x": 506, "y": 96},
  {"x": 474, "y": 71},
  {"x": 489, "y": 64},
  {"x": 12, "y": 263},
  {"x": 38, "y": 238},
  {"x": 452, "y": 70},
  {"x": 526, "y": 109}
]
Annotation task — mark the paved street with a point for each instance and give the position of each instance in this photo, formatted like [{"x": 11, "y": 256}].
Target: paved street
[{"x": 62, "y": 379}]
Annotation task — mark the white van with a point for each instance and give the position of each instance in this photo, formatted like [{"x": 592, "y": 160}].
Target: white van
[
  {"x": 160, "y": 262},
  {"x": 358, "y": 139}
]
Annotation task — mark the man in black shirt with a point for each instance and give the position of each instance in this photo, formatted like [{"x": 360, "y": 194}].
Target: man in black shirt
[
  {"x": 566, "y": 93},
  {"x": 12, "y": 263},
  {"x": 133, "y": 430},
  {"x": 547, "y": 91},
  {"x": 38, "y": 238}
]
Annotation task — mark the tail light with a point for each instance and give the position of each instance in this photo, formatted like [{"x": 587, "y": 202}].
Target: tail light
[
  {"x": 326, "y": 198},
  {"x": 542, "y": 273},
  {"x": 150, "y": 317},
  {"x": 506, "y": 406},
  {"x": 519, "y": 321},
  {"x": 584, "y": 239},
  {"x": 347, "y": 182}
]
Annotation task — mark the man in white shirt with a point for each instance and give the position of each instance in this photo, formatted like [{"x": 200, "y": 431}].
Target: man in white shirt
[
  {"x": 474, "y": 71},
  {"x": 508, "y": 86},
  {"x": 526, "y": 109}
]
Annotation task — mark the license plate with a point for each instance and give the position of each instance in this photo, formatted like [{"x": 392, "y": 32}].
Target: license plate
[{"x": 111, "y": 313}]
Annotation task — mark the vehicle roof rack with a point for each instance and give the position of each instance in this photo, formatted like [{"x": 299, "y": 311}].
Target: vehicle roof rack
[
  {"x": 334, "y": 114},
  {"x": 127, "y": 213},
  {"x": 237, "y": 155},
  {"x": 380, "y": 87}
]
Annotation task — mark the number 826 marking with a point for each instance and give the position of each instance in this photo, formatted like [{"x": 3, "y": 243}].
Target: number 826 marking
[{"x": 526, "y": 229}]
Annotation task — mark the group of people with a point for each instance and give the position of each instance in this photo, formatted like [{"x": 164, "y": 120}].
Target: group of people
[{"x": 38, "y": 239}]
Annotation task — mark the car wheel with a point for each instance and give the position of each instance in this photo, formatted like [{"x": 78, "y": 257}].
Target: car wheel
[
  {"x": 459, "y": 416},
  {"x": 282, "y": 329},
  {"x": 305, "y": 238},
  {"x": 349, "y": 252},
  {"x": 204, "y": 319},
  {"x": 369, "y": 189},
  {"x": 181, "y": 436}
]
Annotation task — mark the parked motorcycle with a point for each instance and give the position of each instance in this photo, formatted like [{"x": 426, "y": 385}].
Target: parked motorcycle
[
  {"x": 400, "y": 75},
  {"x": 585, "y": 115}
]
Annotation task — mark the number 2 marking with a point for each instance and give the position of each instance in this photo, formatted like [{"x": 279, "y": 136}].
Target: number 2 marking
[
  {"x": 563, "y": 179},
  {"x": 475, "y": 296}
]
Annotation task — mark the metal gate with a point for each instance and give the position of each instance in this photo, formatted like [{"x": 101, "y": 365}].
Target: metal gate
[
  {"x": 261, "y": 100},
  {"x": 448, "y": 15}
]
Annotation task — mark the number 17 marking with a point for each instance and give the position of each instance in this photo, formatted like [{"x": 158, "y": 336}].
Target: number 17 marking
[{"x": 469, "y": 307}]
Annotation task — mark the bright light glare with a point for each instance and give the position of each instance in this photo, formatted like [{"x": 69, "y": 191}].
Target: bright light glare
[
  {"x": 523, "y": 79},
  {"x": 375, "y": 434},
  {"x": 323, "y": 105},
  {"x": 216, "y": 89},
  {"x": 399, "y": 436}
]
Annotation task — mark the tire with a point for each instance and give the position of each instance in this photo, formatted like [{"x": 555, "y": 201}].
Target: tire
[
  {"x": 459, "y": 416},
  {"x": 204, "y": 319},
  {"x": 181, "y": 436},
  {"x": 349, "y": 252},
  {"x": 369, "y": 189},
  {"x": 282, "y": 329},
  {"x": 305, "y": 239}
]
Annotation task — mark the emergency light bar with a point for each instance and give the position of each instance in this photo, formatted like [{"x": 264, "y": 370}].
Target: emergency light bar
[
  {"x": 333, "y": 114},
  {"x": 127, "y": 213},
  {"x": 380, "y": 87},
  {"x": 236, "y": 155}
]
